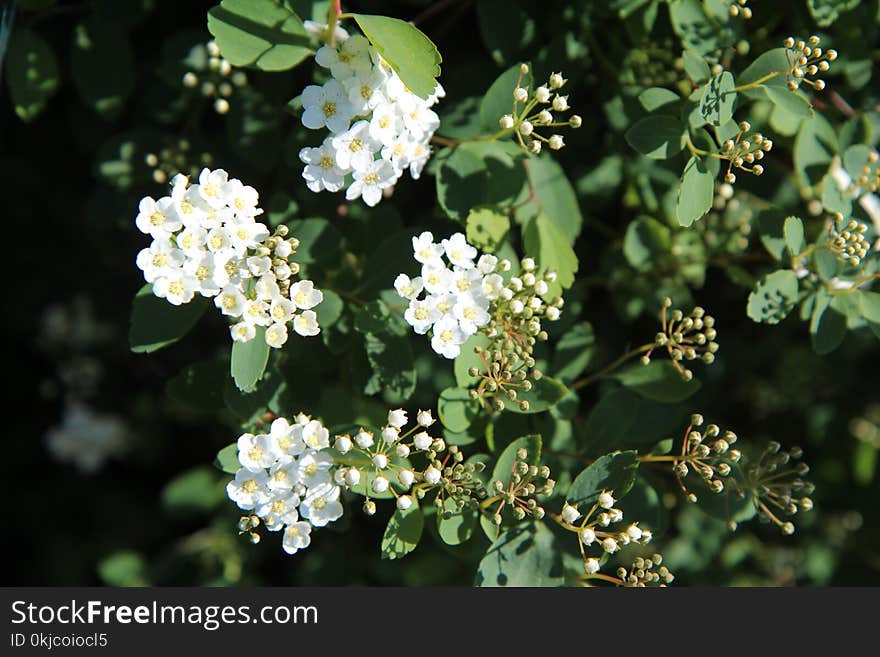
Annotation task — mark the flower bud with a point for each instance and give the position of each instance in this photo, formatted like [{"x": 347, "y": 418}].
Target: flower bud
[
  {"x": 506, "y": 122},
  {"x": 542, "y": 94},
  {"x": 379, "y": 485},
  {"x": 342, "y": 444},
  {"x": 520, "y": 95}
]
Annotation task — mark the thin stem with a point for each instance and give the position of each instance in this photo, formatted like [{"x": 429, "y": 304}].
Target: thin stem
[
  {"x": 577, "y": 385},
  {"x": 447, "y": 141},
  {"x": 855, "y": 285},
  {"x": 759, "y": 81}
]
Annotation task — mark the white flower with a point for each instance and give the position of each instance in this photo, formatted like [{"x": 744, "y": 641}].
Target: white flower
[
  {"x": 313, "y": 468},
  {"x": 459, "y": 252},
  {"x": 606, "y": 501},
  {"x": 230, "y": 301},
  {"x": 591, "y": 566},
  {"x": 370, "y": 181},
  {"x": 432, "y": 475},
  {"x": 422, "y": 440},
  {"x": 426, "y": 251},
  {"x": 256, "y": 312},
  {"x": 471, "y": 313},
  {"x": 321, "y": 505},
  {"x": 560, "y": 103},
  {"x": 406, "y": 478},
  {"x": 157, "y": 218},
  {"x": 448, "y": 338},
  {"x": 610, "y": 545},
  {"x": 355, "y": 148},
  {"x": 542, "y": 94},
  {"x": 487, "y": 263},
  {"x": 318, "y": 30},
  {"x": 587, "y": 536},
  {"x": 191, "y": 240},
  {"x": 160, "y": 260},
  {"x": 255, "y": 452},
  {"x": 380, "y": 461},
  {"x": 321, "y": 171},
  {"x": 397, "y": 418},
  {"x": 305, "y": 295},
  {"x": 315, "y": 435},
  {"x": 408, "y": 288},
  {"x": 379, "y": 485},
  {"x": 283, "y": 476},
  {"x": 248, "y": 489},
  {"x": 424, "y": 418},
  {"x": 287, "y": 439},
  {"x": 282, "y": 310},
  {"x": 570, "y": 513},
  {"x": 342, "y": 444},
  {"x": 177, "y": 288},
  {"x": 366, "y": 90},
  {"x": 404, "y": 502},
  {"x": 350, "y": 58},
  {"x": 326, "y": 106},
  {"x": 242, "y": 198},
  {"x": 276, "y": 335},
  {"x": 352, "y": 476},
  {"x": 385, "y": 123},
  {"x": 402, "y": 450},
  {"x": 634, "y": 532},
  {"x": 246, "y": 234},
  {"x": 364, "y": 439},
  {"x": 492, "y": 286},
  {"x": 296, "y": 537},
  {"x": 212, "y": 187},
  {"x": 279, "y": 511},
  {"x": 466, "y": 281},
  {"x": 437, "y": 279},
  {"x": 306, "y": 324},
  {"x": 243, "y": 332},
  {"x": 390, "y": 435}
]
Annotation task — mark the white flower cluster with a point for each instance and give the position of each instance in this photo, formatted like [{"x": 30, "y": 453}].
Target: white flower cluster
[
  {"x": 207, "y": 241},
  {"x": 378, "y": 128},
  {"x": 457, "y": 298},
  {"x": 379, "y": 448},
  {"x": 86, "y": 438},
  {"x": 286, "y": 480}
]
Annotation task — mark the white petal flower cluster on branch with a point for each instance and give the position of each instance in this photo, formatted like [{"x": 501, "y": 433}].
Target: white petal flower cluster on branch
[
  {"x": 286, "y": 480},
  {"x": 207, "y": 241},
  {"x": 378, "y": 128},
  {"x": 457, "y": 293}
]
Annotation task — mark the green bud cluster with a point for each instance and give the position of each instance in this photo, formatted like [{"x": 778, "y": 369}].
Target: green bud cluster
[
  {"x": 177, "y": 157},
  {"x": 519, "y": 494},
  {"x": 709, "y": 453},
  {"x": 685, "y": 338},
  {"x": 777, "y": 485},
  {"x": 744, "y": 151},
  {"x": 846, "y": 240},
  {"x": 645, "y": 572},
  {"x": 806, "y": 60}
]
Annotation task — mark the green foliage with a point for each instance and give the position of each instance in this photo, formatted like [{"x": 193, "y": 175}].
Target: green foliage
[
  {"x": 696, "y": 191},
  {"x": 612, "y": 472},
  {"x": 263, "y": 34},
  {"x": 657, "y": 136},
  {"x": 659, "y": 380},
  {"x": 525, "y": 555},
  {"x": 544, "y": 238},
  {"x": 248, "y": 361},
  {"x": 31, "y": 72},
  {"x": 403, "y": 532},
  {"x": 156, "y": 324},
  {"x": 774, "y": 297},
  {"x": 487, "y": 228}
]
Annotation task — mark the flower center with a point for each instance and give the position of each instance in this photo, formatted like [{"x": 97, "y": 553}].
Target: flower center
[
  {"x": 157, "y": 218},
  {"x": 326, "y": 162},
  {"x": 371, "y": 178},
  {"x": 355, "y": 145},
  {"x": 175, "y": 288},
  {"x": 329, "y": 108}
]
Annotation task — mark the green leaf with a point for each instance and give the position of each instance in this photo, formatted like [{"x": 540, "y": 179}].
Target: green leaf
[
  {"x": 698, "y": 30},
  {"x": 695, "y": 193},
  {"x": 329, "y": 310},
  {"x": 769, "y": 62},
  {"x": 403, "y": 532},
  {"x": 657, "y": 136},
  {"x": 545, "y": 241},
  {"x": 645, "y": 242},
  {"x": 546, "y": 392},
  {"x": 124, "y": 568},
  {"x": 827, "y": 325},
  {"x": 771, "y": 227},
  {"x": 555, "y": 195},
  {"x": 198, "y": 489},
  {"x": 498, "y": 100},
  {"x": 504, "y": 465},
  {"x": 393, "y": 367},
  {"x": 718, "y": 99},
  {"x": 248, "y": 361},
  {"x": 477, "y": 174},
  {"x": 458, "y": 527},
  {"x": 814, "y": 146},
  {"x": 573, "y": 352},
  {"x": 612, "y": 472},
  {"x": 264, "y": 34},
  {"x": 834, "y": 199},
  {"x": 227, "y": 459},
  {"x": 826, "y": 12},
  {"x": 155, "y": 323},
  {"x": 793, "y": 230},
  {"x": 789, "y": 101},
  {"x": 487, "y": 228},
  {"x": 870, "y": 305},
  {"x": 656, "y": 97},
  {"x": 658, "y": 380},
  {"x": 468, "y": 359},
  {"x": 525, "y": 555},
  {"x": 32, "y": 72},
  {"x": 695, "y": 66},
  {"x": 774, "y": 297},
  {"x": 102, "y": 64},
  {"x": 411, "y": 54},
  {"x": 855, "y": 159},
  {"x": 506, "y": 29},
  {"x": 456, "y": 409}
]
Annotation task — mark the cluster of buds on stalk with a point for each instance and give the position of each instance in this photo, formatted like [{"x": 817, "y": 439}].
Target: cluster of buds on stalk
[
  {"x": 248, "y": 525},
  {"x": 685, "y": 338},
  {"x": 846, "y": 240},
  {"x": 739, "y": 8},
  {"x": 708, "y": 452},
  {"x": 378, "y": 463},
  {"x": 645, "y": 572},
  {"x": 806, "y": 60},
  {"x": 594, "y": 529},
  {"x": 518, "y": 494},
  {"x": 175, "y": 158},
  {"x": 507, "y": 364},
  {"x": 777, "y": 486},
  {"x": 744, "y": 151},
  {"x": 212, "y": 75},
  {"x": 533, "y": 111},
  {"x": 869, "y": 177}
]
